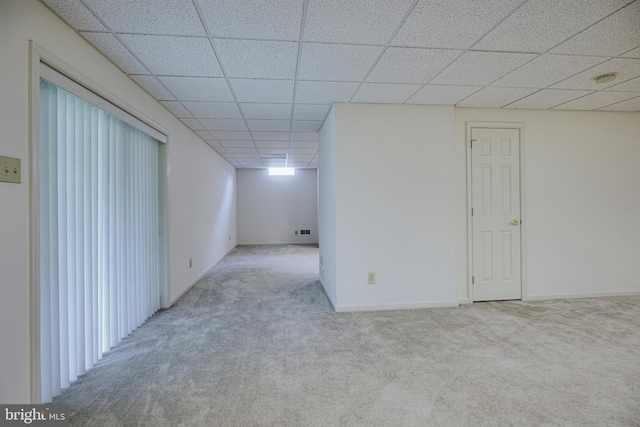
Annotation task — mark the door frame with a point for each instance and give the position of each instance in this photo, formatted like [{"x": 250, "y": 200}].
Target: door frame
[{"x": 523, "y": 227}]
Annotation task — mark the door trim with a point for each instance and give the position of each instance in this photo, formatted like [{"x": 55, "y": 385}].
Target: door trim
[{"x": 523, "y": 226}]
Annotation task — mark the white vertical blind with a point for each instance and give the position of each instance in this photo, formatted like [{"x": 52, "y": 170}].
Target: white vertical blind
[{"x": 99, "y": 234}]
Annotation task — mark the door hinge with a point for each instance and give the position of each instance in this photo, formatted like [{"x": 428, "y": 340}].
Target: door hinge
[
  {"x": 471, "y": 211},
  {"x": 472, "y": 141},
  {"x": 473, "y": 280}
]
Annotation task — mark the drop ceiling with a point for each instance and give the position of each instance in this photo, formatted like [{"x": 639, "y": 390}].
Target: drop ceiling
[{"x": 255, "y": 78}]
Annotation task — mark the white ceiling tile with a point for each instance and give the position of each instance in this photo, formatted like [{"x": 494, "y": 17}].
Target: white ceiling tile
[
  {"x": 411, "y": 65},
  {"x": 76, "y": 15},
  {"x": 480, "y": 68},
  {"x": 626, "y": 69},
  {"x": 354, "y": 21},
  {"x": 249, "y": 162},
  {"x": 153, "y": 87},
  {"x": 304, "y": 136},
  {"x": 255, "y": 90},
  {"x": 258, "y": 45},
  {"x": 495, "y": 97},
  {"x": 272, "y": 144},
  {"x": 306, "y": 125},
  {"x": 176, "y": 17},
  {"x": 198, "y": 88},
  {"x": 231, "y": 135},
  {"x": 596, "y": 100},
  {"x": 269, "y": 125},
  {"x": 385, "y": 93},
  {"x": 635, "y": 53},
  {"x": 252, "y": 165},
  {"x": 548, "y": 98},
  {"x": 273, "y": 151},
  {"x": 325, "y": 92},
  {"x": 177, "y": 109},
  {"x": 310, "y": 112},
  {"x": 174, "y": 56},
  {"x": 244, "y": 150},
  {"x": 237, "y": 144},
  {"x": 302, "y": 157},
  {"x": 630, "y": 105},
  {"x": 302, "y": 151},
  {"x": 304, "y": 144},
  {"x": 632, "y": 85},
  {"x": 258, "y": 59},
  {"x": 452, "y": 23},
  {"x": 610, "y": 37},
  {"x": 247, "y": 157},
  {"x": 274, "y": 162},
  {"x": 193, "y": 124},
  {"x": 547, "y": 70},
  {"x": 224, "y": 124},
  {"x": 213, "y": 110},
  {"x": 111, "y": 47},
  {"x": 204, "y": 135},
  {"x": 336, "y": 62},
  {"x": 298, "y": 163},
  {"x": 442, "y": 95},
  {"x": 266, "y": 111},
  {"x": 270, "y": 136},
  {"x": 250, "y": 19},
  {"x": 539, "y": 25}
]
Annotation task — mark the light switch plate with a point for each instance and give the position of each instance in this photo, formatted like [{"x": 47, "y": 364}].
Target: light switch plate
[{"x": 10, "y": 170}]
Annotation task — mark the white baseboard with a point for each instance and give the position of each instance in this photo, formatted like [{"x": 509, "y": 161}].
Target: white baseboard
[
  {"x": 578, "y": 296},
  {"x": 464, "y": 301},
  {"x": 387, "y": 307},
  {"x": 275, "y": 243},
  {"x": 216, "y": 262}
]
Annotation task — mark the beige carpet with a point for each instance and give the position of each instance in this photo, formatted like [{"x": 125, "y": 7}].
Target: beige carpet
[{"x": 255, "y": 343}]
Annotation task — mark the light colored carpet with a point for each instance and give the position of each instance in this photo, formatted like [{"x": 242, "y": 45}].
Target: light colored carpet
[{"x": 255, "y": 343}]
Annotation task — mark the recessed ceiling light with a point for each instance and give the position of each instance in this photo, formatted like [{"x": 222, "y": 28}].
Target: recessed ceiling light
[{"x": 606, "y": 78}]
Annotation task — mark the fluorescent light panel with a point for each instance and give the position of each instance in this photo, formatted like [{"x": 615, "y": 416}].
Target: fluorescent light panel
[{"x": 282, "y": 171}]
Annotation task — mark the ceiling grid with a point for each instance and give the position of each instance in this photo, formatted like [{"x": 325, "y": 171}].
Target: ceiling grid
[{"x": 256, "y": 80}]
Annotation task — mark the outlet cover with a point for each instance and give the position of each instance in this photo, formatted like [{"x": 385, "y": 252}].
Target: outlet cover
[
  {"x": 372, "y": 278},
  {"x": 10, "y": 170}
]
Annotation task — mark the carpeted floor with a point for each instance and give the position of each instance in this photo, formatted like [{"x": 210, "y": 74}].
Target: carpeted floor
[{"x": 255, "y": 343}]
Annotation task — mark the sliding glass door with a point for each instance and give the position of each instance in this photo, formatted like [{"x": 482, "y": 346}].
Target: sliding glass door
[{"x": 100, "y": 248}]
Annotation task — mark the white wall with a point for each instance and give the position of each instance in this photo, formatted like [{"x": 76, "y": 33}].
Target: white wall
[
  {"x": 395, "y": 200},
  {"x": 202, "y": 201},
  {"x": 327, "y": 206},
  {"x": 271, "y": 208},
  {"x": 580, "y": 197}
]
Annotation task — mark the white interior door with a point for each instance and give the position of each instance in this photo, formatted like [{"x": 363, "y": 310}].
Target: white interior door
[{"x": 495, "y": 182}]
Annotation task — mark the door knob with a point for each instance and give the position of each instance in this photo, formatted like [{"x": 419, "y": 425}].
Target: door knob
[{"x": 515, "y": 222}]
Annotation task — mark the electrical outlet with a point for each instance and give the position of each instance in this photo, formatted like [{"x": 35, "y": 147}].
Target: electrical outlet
[
  {"x": 296, "y": 232},
  {"x": 372, "y": 278},
  {"x": 10, "y": 170}
]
